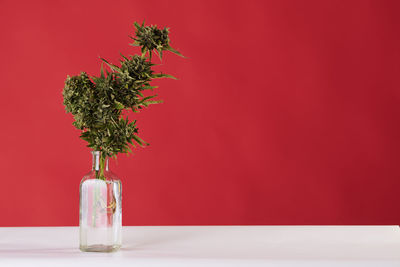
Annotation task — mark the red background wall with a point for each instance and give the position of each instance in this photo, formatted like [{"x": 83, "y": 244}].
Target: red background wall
[{"x": 286, "y": 112}]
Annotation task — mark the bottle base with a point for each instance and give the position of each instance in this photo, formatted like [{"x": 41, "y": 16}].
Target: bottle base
[{"x": 100, "y": 248}]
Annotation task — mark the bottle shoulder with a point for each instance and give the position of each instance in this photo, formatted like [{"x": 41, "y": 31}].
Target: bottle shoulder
[{"x": 109, "y": 177}]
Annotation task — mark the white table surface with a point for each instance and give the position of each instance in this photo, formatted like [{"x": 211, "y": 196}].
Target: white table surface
[{"x": 208, "y": 246}]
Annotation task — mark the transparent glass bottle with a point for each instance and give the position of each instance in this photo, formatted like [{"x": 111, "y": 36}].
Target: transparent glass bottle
[{"x": 100, "y": 212}]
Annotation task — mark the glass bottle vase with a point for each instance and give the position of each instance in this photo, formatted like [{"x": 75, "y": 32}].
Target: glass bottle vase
[{"x": 100, "y": 212}]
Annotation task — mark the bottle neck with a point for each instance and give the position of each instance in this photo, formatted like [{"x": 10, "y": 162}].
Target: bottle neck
[{"x": 99, "y": 162}]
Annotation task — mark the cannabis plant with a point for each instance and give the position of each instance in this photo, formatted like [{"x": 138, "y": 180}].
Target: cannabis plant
[{"x": 97, "y": 102}]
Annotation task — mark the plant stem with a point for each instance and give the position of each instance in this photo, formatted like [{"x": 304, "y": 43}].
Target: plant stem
[
  {"x": 100, "y": 172},
  {"x": 96, "y": 195},
  {"x": 102, "y": 166}
]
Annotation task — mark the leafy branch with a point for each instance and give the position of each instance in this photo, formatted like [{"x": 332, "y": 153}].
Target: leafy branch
[
  {"x": 97, "y": 102},
  {"x": 152, "y": 39}
]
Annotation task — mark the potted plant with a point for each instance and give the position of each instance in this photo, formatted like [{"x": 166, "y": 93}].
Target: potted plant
[{"x": 97, "y": 104}]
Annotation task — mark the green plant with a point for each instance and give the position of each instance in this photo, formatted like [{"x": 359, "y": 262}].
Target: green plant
[{"x": 97, "y": 103}]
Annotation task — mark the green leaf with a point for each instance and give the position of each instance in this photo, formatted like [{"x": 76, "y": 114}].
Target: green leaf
[
  {"x": 102, "y": 71},
  {"x": 149, "y": 102},
  {"x": 163, "y": 75},
  {"x": 149, "y": 87},
  {"x": 139, "y": 141},
  {"x": 176, "y": 52},
  {"x": 118, "y": 105},
  {"x": 113, "y": 67},
  {"x": 124, "y": 57}
]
